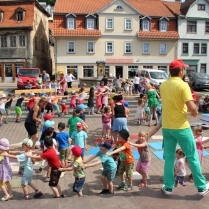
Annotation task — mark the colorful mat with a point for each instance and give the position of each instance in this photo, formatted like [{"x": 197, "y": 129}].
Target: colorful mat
[
  {"x": 205, "y": 119},
  {"x": 205, "y": 114},
  {"x": 156, "y": 145}
]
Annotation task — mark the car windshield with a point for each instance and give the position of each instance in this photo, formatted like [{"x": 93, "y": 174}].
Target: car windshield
[
  {"x": 29, "y": 72},
  {"x": 201, "y": 75},
  {"x": 158, "y": 75}
]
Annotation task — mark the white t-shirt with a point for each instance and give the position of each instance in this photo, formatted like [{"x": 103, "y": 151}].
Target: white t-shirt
[
  {"x": 136, "y": 80},
  {"x": 69, "y": 78},
  {"x": 54, "y": 144},
  {"x": 2, "y": 104},
  {"x": 182, "y": 172}
]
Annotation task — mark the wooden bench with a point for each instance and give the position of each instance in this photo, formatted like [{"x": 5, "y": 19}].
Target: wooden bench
[
  {"x": 35, "y": 91},
  {"x": 77, "y": 89}
]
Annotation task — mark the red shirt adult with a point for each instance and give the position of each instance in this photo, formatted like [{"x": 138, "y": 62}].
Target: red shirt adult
[
  {"x": 51, "y": 156},
  {"x": 31, "y": 102}
]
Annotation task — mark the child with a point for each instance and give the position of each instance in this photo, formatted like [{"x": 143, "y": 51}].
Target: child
[
  {"x": 145, "y": 158},
  {"x": 7, "y": 107},
  {"x": 131, "y": 87},
  {"x": 126, "y": 88},
  {"x": 81, "y": 95},
  {"x": 55, "y": 105},
  {"x": 127, "y": 160},
  {"x": 28, "y": 85},
  {"x": 180, "y": 171},
  {"x": 18, "y": 109},
  {"x": 109, "y": 167},
  {"x": 63, "y": 103},
  {"x": 73, "y": 100},
  {"x": 140, "y": 112},
  {"x": 62, "y": 139},
  {"x": 31, "y": 101},
  {"x": 57, "y": 86},
  {"x": 98, "y": 95},
  {"x": 127, "y": 111},
  {"x": 3, "y": 100},
  {"x": 105, "y": 97},
  {"x": 79, "y": 138},
  {"x": 91, "y": 101},
  {"x": 49, "y": 103},
  {"x": 5, "y": 171},
  {"x": 78, "y": 168},
  {"x": 28, "y": 168},
  {"x": 106, "y": 122},
  {"x": 81, "y": 109}
]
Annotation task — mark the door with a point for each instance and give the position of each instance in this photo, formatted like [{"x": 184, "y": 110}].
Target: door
[{"x": 119, "y": 71}]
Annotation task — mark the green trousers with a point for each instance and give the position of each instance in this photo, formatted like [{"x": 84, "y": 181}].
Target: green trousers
[{"x": 185, "y": 138}]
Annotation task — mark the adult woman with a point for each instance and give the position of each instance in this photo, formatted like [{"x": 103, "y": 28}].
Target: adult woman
[
  {"x": 117, "y": 83},
  {"x": 62, "y": 82},
  {"x": 136, "y": 84},
  {"x": 152, "y": 103},
  {"x": 69, "y": 78},
  {"x": 33, "y": 118},
  {"x": 119, "y": 114}
]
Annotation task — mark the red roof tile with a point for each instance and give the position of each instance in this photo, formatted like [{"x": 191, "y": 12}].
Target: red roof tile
[
  {"x": 174, "y": 7},
  {"x": 59, "y": 27},
  {"x": 9, "y": 14}
]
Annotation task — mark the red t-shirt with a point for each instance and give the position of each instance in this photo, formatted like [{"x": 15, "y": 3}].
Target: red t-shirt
[
  {"x": 51, "y": 156},
  {"x": 31, "y": 102}
]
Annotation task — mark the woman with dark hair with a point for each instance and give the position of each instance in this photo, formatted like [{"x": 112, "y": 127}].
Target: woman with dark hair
[{"x": 119, "y": 114}]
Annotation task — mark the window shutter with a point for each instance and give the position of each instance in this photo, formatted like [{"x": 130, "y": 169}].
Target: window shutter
[
  {"x": 23, "y": 15},
  {"x": 86, "y": 23},
  {"x": 16, "y": 15},
  {"x": 66, "y": 23},
  {"x": 159, "y": 25},
  {"x": 75, "y": 23}
]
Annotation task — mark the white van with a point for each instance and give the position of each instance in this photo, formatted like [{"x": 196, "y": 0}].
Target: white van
[{"x": 156, "y": 76}]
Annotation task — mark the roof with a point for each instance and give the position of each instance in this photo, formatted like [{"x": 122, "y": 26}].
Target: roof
[
  {"x": 80, "y": 6},
  {"x": 174, "y": 6},
  {"x": 186, "y": 5},
  {"x": 59, "y": 27},
  {"x": 158, "y": 34}
]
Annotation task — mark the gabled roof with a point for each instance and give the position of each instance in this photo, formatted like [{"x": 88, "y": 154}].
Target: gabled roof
[
  {"x": 163, "y": 18},
  {"x": 158, "y": 34},
  {"x": 146, "y": 17},
  {"x": 70, "y": 14},
  {"x": 174, "y": 6},
  {"x": 186, "y": 5},
  {"x": 91, "y": 15}
]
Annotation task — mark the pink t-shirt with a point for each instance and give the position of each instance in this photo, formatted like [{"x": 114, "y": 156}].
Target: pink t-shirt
[{"x": 199, "y": 142}]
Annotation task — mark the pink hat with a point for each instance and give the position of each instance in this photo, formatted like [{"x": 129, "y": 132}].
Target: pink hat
[
  {"x": 4, "y": 144},
  {"x": 122, "y": 101}
]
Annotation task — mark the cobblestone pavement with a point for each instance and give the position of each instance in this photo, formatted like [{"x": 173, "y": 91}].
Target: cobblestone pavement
[{"x": 150, "y": 197}]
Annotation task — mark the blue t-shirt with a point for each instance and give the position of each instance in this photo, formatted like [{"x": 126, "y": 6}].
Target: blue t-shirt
[
  {"x": 79, "y": 138},
  {"x": 62, "y": 139},
  {"x": 27, "y": 163},
  {"x": 108, "y": 162}
]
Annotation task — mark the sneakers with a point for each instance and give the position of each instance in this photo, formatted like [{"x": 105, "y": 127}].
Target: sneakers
[
  {"x": 122, "y": 186},
  {"x": 203, "y": 192},
  {"x": 62, "y": 175},
  {"x": 38, "y": 194},
  {"x": 167, "y": 192},
  {"x": 104, "y": 191},
  {"x": 47, "y": 179},
  {"x": 128, "y": 188},
  {"x": 17, "y": 121},
  {"x": 27, "y": 197},
  {"x": 6, "y": 198},
  {"x": 40, "y": 169}
]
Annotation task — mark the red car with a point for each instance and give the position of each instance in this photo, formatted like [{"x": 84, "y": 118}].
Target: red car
[{"x": 26, "y": 74}]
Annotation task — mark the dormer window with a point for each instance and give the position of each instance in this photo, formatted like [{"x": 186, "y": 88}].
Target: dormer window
[
  {"x": 20, "y": 14},
  {"x": 71, "y": 21},
  {"x": 163, "y": 24},
  {"x": 1, "y": 16},
  {"x": 90, "y": 22},
  {"x": 145, "y": 23},
  {"x": 118, "y": 7}
]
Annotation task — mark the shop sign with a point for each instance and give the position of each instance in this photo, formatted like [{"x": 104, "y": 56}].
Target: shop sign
[
  {"x": 12, "y": 60},
  {"x": 117, "y": 61}
]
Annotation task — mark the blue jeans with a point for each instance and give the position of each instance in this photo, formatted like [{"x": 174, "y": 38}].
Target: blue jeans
[
  {"x": 185, "y": 138},
  {"x": 78, "y": 184}
]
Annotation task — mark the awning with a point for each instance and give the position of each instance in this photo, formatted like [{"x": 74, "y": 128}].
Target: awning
[{"x": 191, "y": 62}]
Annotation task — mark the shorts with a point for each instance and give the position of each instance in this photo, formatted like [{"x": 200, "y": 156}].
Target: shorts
[
  {"x": 126, "y": 167},
  {"x": 54, "y": 177},
  {"x": 106, "y": 126},
  {"x": 7, "y": 110},
  {"x": 2, "y": 111},
  {"x": 31, "y": 129},
  {"x": 78, "y": 184},
  {"x": 18, "y": 110},
  {"x": 64, "y": 153},
  {"x": 109, "y": 174},
  {"x": 83, "y": 152},
  {"x": 55, "y": 107},
  {"x": 143, "y": 166},
  {"x": 26, "y": 179}
]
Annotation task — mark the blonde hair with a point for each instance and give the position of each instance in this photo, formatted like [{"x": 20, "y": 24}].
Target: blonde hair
[
  {"x": 145, "y": 134},
  {"x": 140, "y": 101},
  {"x": 197, "y": 129}
]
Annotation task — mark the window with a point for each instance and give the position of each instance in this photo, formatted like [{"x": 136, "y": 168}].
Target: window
[
  {"x": 36, "y": 43},
  {"x": 145, "y": 48},
  {"x": 17, "y": 67},
  {"x": 118, "y": 7},
  {"x": 1, "y": 16},
  {"x": 148, "y": 67},
  {"x": 73, "y": 70},
  {"x": 163, "y": 48},
  {"x": 88, "y": 71},
  {"x": 202, "y": 68},
  {"x": 128, "y": 47},
  {"x": 201, "y": 7},
  {"x": 163, "y": 25},
  {"x": 207, "y": 27},
  {"x": 196, "y": 49},
  {"x": 71, "y": 47},
  {"x": 191, "y": 27},
  {"x": 90, "y": 24},
  {"x": 22, "y": 40},
  {"x": 109, "y": 23},
  {"x": 8, "y": 70},
  {"x": 145, "y": 25},
  {"x": 185, "y": 48},
  {"x": 164, "y": 68},
  {"x": 107, "y": 70},
  {"x": 128, "y": 24},
  {"x": 132, "y": 71},
  {"x": 109, "y": 47},
  {"x": 90, "y": 47},
  {"x": 3, "y": 41},
  {"x": 203, "y": 48},
  {"x": 71, "y": 23},
  {"x": 12, "y": 41},
  {"x": 19, "y": 16}
]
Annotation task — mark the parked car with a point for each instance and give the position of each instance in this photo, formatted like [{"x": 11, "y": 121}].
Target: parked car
[
  {"x": 156, "y": 76},
  {"x": 26, "y": 74},
  {"x": 199, "y": 81}
]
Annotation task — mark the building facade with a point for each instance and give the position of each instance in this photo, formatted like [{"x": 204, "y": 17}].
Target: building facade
[
  {"x": 24, "y": 38},
  {"x": 127, "y": 34}
]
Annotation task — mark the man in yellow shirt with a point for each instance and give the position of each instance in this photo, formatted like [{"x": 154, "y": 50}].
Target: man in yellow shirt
[{"x": 176, "y": 100}]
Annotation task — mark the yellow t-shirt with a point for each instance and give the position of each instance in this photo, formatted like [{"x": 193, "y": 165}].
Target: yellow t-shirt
[{"x": 174, "y": 94}]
